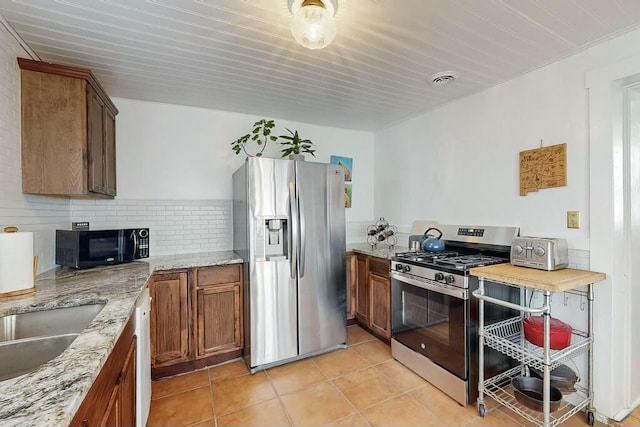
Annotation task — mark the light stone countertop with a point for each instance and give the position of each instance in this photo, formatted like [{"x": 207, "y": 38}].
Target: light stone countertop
[
  {"x": 380, "y": 251},
  {"x": 51, "y": 395}
]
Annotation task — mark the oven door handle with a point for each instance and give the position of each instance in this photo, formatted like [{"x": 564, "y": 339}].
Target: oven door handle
[
  {"x": 456, "y": 293},
  {"x": 507, "y": 304}
]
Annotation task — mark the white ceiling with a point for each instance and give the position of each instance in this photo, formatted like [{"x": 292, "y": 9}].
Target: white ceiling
[{"x": 239, "y": 55}]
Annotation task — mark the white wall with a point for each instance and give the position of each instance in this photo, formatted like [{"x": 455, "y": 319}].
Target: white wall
[
  {"x": 171, "y": 153},
  {"x": 177, "y": 152},
  {"x": 459, "y": 164},
  {"x": 41, "y": 215}
]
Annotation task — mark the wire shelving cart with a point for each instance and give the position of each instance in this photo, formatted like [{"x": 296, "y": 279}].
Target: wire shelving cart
[{"x": 507, "y": 337}]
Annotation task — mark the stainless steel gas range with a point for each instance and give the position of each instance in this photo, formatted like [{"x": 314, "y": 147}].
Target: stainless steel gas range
[{"x": 434, "y": 318}]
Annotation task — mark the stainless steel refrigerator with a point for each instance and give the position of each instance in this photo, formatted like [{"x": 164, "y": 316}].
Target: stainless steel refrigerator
[{"x": 289, "y": 226}]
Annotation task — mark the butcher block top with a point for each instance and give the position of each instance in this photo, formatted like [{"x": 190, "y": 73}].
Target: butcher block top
[{"x": 554, "y": 281}]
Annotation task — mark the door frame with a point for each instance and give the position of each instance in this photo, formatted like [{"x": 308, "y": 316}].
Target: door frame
[{"x": 610, "y": 234}]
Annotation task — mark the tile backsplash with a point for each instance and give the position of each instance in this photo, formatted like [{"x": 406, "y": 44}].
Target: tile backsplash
[{"x": 175, "y": 226}]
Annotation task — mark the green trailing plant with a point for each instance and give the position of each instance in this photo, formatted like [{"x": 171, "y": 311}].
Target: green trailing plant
[
  {"x": 296, "y": 145},
  {"x": 260, "y": 134}
]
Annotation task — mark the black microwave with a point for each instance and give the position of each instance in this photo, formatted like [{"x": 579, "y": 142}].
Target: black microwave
[{"x": 90, "y": 248}]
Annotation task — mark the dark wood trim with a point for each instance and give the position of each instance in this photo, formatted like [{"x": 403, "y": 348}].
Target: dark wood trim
[
  {"x": 352, "y": 321},
  {"x": 217, "y": 275},
  {"x": 181, "y": 368},
  {"x": 68, "y": 71},
  {"x": 385, "y": 340}
]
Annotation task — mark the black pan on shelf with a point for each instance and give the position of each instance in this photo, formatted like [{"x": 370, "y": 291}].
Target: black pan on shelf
[
  {"x": 528, "y": 391},
  {"x": 562, "y": 377}
]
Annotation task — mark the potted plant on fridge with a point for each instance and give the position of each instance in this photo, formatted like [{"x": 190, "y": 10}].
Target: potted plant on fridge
[
  {"x": 295, "y": 146},
  {"x": 260, "y": 134}
]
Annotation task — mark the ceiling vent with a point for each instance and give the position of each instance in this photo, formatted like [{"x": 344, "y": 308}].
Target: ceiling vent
[{"x": 444, "y": 78}]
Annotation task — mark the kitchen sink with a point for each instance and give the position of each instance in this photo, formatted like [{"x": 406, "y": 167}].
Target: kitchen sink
[
  {"x": 29, "y": 340},
  {"x": 24, "y": 356},
  {"x": 58, "y": 321}
]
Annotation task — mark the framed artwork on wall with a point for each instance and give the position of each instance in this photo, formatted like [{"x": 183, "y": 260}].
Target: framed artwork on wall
[
  {"x": 347, "y": 195},
  {"x": 346, "y": 163}
]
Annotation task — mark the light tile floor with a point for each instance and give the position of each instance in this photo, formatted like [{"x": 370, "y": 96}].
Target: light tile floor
[
  {"x": 632, "y": 420},
  {"x": 359, "y": 386}
]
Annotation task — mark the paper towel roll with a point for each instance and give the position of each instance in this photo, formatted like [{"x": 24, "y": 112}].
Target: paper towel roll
[{"x": 16, "y": 263}]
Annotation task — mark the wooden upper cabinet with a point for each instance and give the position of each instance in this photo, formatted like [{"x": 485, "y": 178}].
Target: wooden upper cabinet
[
  {"x": 68, "y": 132},
  {"x": 96, "y": 147},
  {"x": 170, "y": 318},
  {"x": 110, "y": 152}
]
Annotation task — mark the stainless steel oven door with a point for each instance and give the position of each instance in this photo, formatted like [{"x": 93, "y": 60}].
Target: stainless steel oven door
[{"x": 431, "y": 319}]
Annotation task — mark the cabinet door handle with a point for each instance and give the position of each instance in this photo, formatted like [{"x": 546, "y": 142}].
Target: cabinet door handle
[{"x": 85, "y": 423}]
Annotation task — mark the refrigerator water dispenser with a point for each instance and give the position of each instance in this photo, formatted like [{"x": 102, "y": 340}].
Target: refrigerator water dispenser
[{"x": 271, "y": 239}]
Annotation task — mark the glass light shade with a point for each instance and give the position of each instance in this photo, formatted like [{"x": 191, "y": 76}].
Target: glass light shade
[{"x": 313, "y": 26}]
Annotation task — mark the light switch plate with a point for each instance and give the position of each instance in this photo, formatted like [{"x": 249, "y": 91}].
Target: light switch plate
[{"x": 573, "y": 219}]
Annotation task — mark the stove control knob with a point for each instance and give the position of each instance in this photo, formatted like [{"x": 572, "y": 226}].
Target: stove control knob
[
  {"x": 518, "y": 249},
  {"x": 406, "y": 268},
  {"x": 450, "y": 279},
  {"x": 398, "y": 267},
  {"x": 539, "y": 251},
  {"x": 439, "y": 276}
]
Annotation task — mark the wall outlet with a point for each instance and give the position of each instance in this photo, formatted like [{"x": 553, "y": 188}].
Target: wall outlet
[{"x": 573, "y": 219}]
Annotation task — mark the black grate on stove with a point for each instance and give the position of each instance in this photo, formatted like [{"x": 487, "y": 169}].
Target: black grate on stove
[
  {"x": 469, "y": 261},
  {"x": 424, "y": 257}
]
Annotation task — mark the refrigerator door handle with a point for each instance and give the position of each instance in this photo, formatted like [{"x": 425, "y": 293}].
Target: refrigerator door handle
[
  {"x": 293, "y": 233},
  {"x": 303, "y": 233}
]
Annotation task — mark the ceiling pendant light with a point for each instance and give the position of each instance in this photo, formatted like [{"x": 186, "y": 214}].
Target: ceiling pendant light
[{"x": 312, "y": 24}]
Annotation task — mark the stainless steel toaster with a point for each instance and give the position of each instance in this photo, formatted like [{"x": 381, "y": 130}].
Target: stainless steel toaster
[{"x": 542, "y": 253}]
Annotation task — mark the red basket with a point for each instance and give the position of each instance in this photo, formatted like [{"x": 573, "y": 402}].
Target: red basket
[{"x": 560, "y": 332}]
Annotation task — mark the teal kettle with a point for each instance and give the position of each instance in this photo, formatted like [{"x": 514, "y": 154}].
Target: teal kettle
[{"x": 433, "y": 244}]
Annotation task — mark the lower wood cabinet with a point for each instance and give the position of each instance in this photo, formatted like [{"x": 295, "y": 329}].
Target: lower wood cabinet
[
  {"x": 121, "y": 410},
  {"x": 368, "y": 277},
  {"x": 352, "y": 277},
  {"x": 170, "y": 318},
  {"x": 128, "y": 388},
  {"x": 362, "y": 289},
  {"x": 111, "y": 401},
  {"x": 196, "y": 318},
  {"x": 219, "y": 310},
  {"x": 380, "y": 318}
]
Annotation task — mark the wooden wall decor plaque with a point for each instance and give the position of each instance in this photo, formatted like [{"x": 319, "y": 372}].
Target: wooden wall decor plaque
[{"x": 543, "y": 167}]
